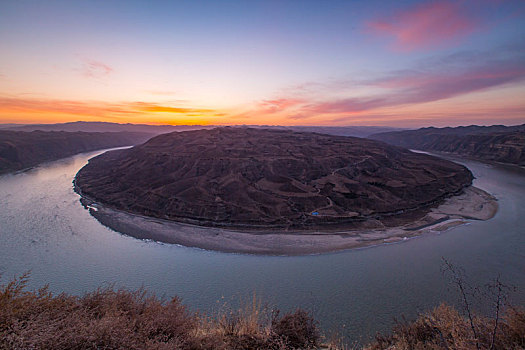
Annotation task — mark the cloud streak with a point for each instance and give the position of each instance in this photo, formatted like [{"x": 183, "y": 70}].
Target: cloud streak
[
  {"x": 440, "y": 79},
  {"x": 14, "y": 104},
  {"x": 428, "y": 25},
  {"x": 96, "y": 69},
  {"x": 150, "y": 107},
  {"x": 280, "y": 104},
  {"x": 422, "y": 87},
  {"x": 161, "y": 92},
  {"x": 97, "y": 109}
]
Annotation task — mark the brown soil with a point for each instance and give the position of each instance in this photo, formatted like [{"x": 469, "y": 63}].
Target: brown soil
[{"x": 260, "y": 179}]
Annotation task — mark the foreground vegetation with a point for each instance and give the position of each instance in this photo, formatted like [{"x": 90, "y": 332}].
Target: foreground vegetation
[
  {"x": 446, "y": 328},
  {"x": 122, "y": 319}
]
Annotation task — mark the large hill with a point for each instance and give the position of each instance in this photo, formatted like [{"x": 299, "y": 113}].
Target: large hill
[
  {"x": 492, "y": 143},
  {"x": 243, "y": 177},
  {"x": 20, "y": 150}
]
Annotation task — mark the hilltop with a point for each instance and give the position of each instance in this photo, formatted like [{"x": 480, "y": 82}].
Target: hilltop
[{"x": 241, "y": 177}]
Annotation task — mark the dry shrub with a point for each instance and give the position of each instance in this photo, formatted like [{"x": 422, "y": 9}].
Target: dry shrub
[
  {"x": 514, "y": 328},
  {"x": 445, "y": 328},
  {"x": 122, "y": 319},
  {"x": 106, "y": 319},
  {"x": 255, "y": 327},
  {"x": 298, "y": 329}
]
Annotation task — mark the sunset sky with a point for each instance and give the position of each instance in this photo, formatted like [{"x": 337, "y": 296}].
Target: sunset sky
[{"x": 395, "y": 63}]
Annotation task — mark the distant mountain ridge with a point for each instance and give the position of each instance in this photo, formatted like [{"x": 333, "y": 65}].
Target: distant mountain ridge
[
  {"x": 105, "y": 127},
  {"x": 470, "y": 129},
  {"x": 499, "y": 143},
  {"x": 357, "y": 131},
  {"x": 20, "y": 150}
]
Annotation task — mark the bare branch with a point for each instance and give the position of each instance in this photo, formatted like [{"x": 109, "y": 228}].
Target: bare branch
[{"x": 459, "y": 281}]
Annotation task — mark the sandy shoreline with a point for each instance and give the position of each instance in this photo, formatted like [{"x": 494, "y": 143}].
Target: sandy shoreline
[{"x": 473, "y": 204}]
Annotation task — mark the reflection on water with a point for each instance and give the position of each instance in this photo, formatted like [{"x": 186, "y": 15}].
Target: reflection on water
[{"x": 44, "y": 228}]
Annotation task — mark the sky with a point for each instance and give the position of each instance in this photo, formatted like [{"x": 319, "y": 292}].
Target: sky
[{"x": 327, "y": 62}]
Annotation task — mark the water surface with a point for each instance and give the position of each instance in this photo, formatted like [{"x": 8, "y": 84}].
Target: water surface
[{"x": 45, "y": 229}]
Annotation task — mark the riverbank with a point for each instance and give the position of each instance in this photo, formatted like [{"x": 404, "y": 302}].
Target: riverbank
[{"x": 472, "y": 204}]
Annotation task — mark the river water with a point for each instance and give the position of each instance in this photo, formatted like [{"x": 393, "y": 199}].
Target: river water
[{"x": 45, "y": 229}]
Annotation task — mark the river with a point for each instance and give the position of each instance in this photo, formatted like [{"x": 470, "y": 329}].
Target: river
[{"x": 44, "y": 229}]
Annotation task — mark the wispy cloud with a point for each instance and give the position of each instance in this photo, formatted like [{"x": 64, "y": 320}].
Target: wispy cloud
[
  {"x": 280, "y": 104},
  {"x": 161, "y": 92},
  {"x": 21, "y": 104},
  {"x": 151, "y": 107},
  {"x": 94, "y": 108},
  {"x": 427, "y": 25},
  {"x": 440, "y": 78},
  {"x": 95, "y": 69},
  {"x": 473, "y": 115},
  {"x": 423, "y": 86}
]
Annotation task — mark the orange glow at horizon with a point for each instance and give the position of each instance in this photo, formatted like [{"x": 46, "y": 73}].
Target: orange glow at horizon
[
  {"x": 27, "y": 111},
  {"x": 470, "y": 108}
]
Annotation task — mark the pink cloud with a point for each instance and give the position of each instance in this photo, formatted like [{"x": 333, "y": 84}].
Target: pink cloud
[
  {"x": 422, "y": 87},
  {"x": 426, "y": 25},
  {"x": 279, "y": 104},
  {"x": 96, "y": 69},
  {"x": 438, "y": 79},
  {"x": 417, "y": 86},
  {"x": 348, "y": 105}
]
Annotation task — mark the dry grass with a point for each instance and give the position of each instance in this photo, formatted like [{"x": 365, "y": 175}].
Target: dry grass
[
  {"x": 445, "y": 328},
  {"x": 122, "y": 319}
]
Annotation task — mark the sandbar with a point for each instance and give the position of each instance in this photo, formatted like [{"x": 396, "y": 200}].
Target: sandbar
[{"x": 472, "y": 204}]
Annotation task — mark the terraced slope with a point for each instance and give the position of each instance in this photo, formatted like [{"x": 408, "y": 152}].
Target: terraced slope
[{"x": 242, "y": 177}]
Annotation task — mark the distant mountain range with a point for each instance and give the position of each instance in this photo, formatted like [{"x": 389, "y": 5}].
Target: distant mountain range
[
  {"x": 357, "y": 131},
  {"x": 24, "y": 146},
  {"x": 20, "y": 150},
  {"x": 102, "y": 127},
  {"x": 492, "y": 143},
  {"x": 499, "y": 143}
]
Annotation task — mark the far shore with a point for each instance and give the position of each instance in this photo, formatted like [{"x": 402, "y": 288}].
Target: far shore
[{"x": 472, "y": 204}]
